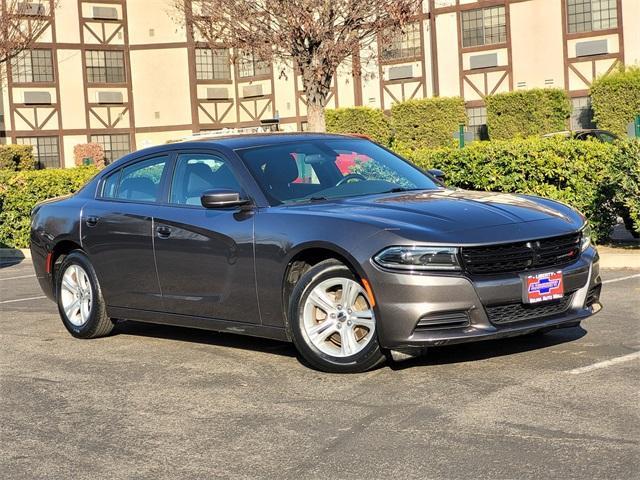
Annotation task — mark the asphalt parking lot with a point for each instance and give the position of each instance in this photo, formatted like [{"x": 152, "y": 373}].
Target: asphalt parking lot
[{"x": 163, "y": 402}]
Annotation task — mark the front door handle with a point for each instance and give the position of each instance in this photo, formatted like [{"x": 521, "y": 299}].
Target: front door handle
[
  {"x": 163, "y": 231},
  {"x": 91, "y": 221}
]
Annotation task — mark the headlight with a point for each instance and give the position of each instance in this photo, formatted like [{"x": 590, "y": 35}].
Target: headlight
[
  {"x": 585, "y": 240},
  {"x": 419, "y": 258}
]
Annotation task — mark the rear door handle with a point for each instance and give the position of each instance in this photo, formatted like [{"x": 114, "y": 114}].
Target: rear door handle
[
  {"x": 163, "y": 231},
  {"x": 91, "y": 221}
]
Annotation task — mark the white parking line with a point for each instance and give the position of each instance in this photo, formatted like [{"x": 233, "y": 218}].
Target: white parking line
[
  {"x": 605, "y": 364},
  {"x": 16, "y": 278},
  {"x": 23, "y": 299},
  {"x": 621, "y": 278}
]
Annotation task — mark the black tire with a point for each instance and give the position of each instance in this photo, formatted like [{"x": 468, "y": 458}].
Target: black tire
[
  {"x": 369, "y": 357},
  {"x": 98, "y": 324}
]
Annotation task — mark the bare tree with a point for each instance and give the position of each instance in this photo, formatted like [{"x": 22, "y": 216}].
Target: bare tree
[
  {"x": 313, "y": 36},
  {"x": 21, "y": 24}
]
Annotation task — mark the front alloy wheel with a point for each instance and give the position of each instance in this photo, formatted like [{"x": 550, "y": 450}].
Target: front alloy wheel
[{"x": 332, "y": 322}]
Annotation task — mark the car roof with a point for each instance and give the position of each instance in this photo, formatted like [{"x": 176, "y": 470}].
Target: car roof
[{"x": 235, "y": 142}]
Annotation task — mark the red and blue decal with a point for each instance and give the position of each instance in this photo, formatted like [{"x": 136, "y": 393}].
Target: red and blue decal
[{"x": 544, "y": 287}]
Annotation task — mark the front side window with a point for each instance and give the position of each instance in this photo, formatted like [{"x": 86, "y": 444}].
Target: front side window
[
  {"x": 32, "y": 66},
  {"x": 484, "y": 26},
  {"x": 105, "y": 66},
  {"x": 141, "y": 181},
  {"x": 196, "y": 173},
  {"x": 45, "y": 150},
  {"x": 213, "y": 64},
  {"x": 114, "y": 146},
  {"x": 590, "y": 15},
  {"x": 250, "y": 65},
  {"x": 403, "y": 45},
  {"x": 325, "y": 169}
]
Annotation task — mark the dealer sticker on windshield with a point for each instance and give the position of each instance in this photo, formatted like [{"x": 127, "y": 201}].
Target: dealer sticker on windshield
[{"x": 543, "y": 287}]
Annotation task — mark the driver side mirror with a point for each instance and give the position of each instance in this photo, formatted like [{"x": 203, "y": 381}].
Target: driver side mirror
[
  {"x": 222, "y": 198},
  {"x": 438, "y": 174}
]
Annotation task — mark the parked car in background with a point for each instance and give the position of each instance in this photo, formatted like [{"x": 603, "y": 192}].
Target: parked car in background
[
  {"x": 332, "y": 242},
  {"x": 595, "y": 133}
]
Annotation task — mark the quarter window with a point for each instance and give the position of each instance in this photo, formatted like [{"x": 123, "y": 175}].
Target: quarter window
[
  {"x": 195, "y": 174},
  {"x": 403, "y": 45},
  {"x": 105, "y": 66},
  {"x": 484, "y": 26},
  {"x": 141, "y": 181},
  {"x": 213, "y": 64},
  {"x": 45, "y": 150},
  {"x": 114, "y": 146},
  {"x": 32, "y": 66},
  {"x": 590, "y": 15}
]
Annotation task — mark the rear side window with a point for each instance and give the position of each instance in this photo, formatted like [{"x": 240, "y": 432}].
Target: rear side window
[{"x": 140, "y": 181}]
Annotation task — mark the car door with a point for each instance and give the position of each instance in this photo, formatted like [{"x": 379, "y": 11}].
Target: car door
[
  {"x": 117, "y": 234},
  {"x": 205, "y": 257}
]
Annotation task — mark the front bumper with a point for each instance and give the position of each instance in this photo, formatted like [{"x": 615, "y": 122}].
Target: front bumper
[{"x": 403, "y": 300}]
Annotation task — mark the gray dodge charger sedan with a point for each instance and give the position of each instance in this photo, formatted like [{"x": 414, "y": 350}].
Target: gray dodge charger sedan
[{"x": 331, "y": 242}]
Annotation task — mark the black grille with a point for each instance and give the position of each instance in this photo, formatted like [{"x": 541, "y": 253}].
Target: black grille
[
  {"x": 521, "y": 256},
  {"x": 518, "y": 312},
  {"x": 593, "y": 295},
  {"x": 440, "y": 320}
]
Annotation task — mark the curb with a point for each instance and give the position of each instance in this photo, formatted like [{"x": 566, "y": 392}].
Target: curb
[{"x": 14, "y": 253}]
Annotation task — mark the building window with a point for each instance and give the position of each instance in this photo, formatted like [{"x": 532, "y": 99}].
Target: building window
[
  {"x": 589, "y": 15},
  {"x": 403, "y": 45},
  {"x": 32, "y": 66},
  {"x": 250, "y": 65},
  {"x": 582, "y": 114},
  {"x": 213, "y": 64},
  {"x": 484, "y": 26},
  {"x": 478, "y": 122},
  {"x": 45, "y": 150},
  {"x": 105, "y": 66},
  {"x": 114, "y": 146}
]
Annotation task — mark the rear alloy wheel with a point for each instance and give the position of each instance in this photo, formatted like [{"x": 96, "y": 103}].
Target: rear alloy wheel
[
  {"x": 332, "y": 322},
  {"x": 80, "y": 301}
]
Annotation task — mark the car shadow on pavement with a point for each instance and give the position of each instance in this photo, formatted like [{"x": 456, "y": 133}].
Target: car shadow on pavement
[
  {"x": 468, "y": 352},
  {"x": 207, "y": 337},
  {"x": 435, "y": 356}
]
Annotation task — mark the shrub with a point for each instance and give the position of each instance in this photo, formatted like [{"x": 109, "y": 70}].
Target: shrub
[
  {"x": 625, "y": 183},
  {"x": 362, "y": 120},
  {"x": 93, "y": 151},
  {"x": 615, "y": 99},
  {"x": 20, "y": 191},
  {"x": 17, "y": 157},
  {"x": 429, "y": 122},
  {"x": 527, "y": 112},
  {"x": 587, "y": 175}
]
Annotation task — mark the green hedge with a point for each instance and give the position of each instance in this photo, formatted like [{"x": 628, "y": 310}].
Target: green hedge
[
  {"x": 527, "y": 112},
  {"x": 587, "y": 175},
  {"x": 429, "y": 122},
  {"x": 363, "y": 120},
  {"x": 615, "y": 99},
  {"x": 20, "y": 191},
  {"x": 17, "y": 157}
]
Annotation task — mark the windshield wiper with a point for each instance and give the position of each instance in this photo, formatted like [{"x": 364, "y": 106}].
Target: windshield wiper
[{"x": 402, "y": 189}]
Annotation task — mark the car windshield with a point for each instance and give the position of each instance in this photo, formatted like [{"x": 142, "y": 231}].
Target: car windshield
[{"x": 313, "y": 170}]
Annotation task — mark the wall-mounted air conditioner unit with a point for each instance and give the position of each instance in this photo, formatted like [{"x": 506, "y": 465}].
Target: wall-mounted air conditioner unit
[
  {"x": 403, "y": 71},
  {"x": 110, "y": 97},
  {"x": 252, "y": 91},
  {"x": 483, "y": 61},
  {"x": 31, "y": 8},
  {"x": 217, "y": 93},
  {"x": 105, "y": 13},
  {"x": 37, "y": 98},
  {"x": 592, "y": 47}
]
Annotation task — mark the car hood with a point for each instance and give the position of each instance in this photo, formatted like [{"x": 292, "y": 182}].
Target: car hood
[{"x": 443, "y": 212}]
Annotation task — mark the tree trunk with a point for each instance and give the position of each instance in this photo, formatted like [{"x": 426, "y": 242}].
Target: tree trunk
[{"x": 315, "y": 118}]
